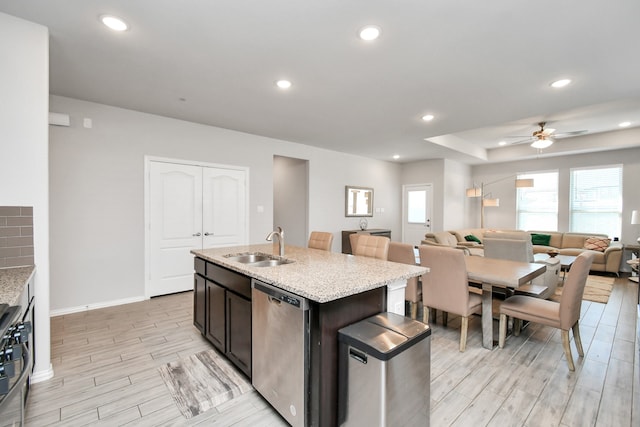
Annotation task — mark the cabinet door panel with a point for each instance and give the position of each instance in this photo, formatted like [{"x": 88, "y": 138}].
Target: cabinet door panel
[
  {"x": 199, "y": 290},
  {"x": 216, "y": 306},
  {"x": 239, "y": 332}
]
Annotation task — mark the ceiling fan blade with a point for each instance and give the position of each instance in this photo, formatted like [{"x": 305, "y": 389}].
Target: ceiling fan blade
[
  {"x": 527, "y": 139},
  {"x": 567, "y": 134}
]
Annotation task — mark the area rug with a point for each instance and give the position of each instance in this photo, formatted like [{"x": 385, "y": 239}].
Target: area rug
[
  {"x": 202, "y": 381},
  {"x": 597, "y": 289}
]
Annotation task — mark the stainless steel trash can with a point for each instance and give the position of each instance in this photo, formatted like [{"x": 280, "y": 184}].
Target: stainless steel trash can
[{"x": 385, "y": 372}]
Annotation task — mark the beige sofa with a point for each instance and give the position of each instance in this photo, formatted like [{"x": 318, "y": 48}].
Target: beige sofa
[
  {"x": 607, "y": 260},
  {"x": 445, "y": 238}
]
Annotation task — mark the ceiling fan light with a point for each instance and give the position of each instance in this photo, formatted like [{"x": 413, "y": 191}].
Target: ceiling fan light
[{"x": 542, "y": 143}]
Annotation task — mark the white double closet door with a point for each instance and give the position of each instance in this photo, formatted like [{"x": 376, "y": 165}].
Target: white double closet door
[{"x": 191, "y": 207}]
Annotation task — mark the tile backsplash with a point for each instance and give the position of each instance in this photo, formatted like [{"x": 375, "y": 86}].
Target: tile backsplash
[{"x": 16, "y": 236}]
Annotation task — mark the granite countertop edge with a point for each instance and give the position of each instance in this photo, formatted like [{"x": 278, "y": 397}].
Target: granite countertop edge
[
  {"x": 309, "y": 275},
  {"x": 13, "y": 281}
]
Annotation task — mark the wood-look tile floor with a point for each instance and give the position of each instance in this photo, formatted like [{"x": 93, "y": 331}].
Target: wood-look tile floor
[{"x": 105, "y": 363}]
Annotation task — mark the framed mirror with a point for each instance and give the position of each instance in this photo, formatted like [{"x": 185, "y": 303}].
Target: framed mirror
[{"x": 358, "y": 201}]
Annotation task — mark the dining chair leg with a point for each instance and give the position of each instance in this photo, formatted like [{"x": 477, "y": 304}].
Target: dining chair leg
[
  {"x": 425, "y": 314},
  {"x": 576, "y": 338},
  {"x": 433, "y": 314},
  {"x": 445, "y": 318},
  {"x": 517, "y": 326},
  {"x": 463, "y": 333},
  {"x": 414, "y": 309},
  {"x": 567, "y": 349},
  {"x": 503, "y": 330}
]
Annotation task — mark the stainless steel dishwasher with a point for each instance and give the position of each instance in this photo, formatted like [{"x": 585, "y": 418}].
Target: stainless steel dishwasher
[{"x": 280, "y": 356}]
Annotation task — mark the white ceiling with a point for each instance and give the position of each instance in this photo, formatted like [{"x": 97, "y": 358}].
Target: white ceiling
[{"x": 482, "y": 68}]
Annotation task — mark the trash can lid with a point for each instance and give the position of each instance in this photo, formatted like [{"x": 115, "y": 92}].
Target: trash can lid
[
  {"x": 384, "y": 335},
  {"x": 408, "y": 327},
  {"x": 372, "y": 339}
]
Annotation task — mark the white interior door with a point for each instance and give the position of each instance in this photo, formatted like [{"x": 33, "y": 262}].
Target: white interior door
[
  {"x": 190, "y": 207},
  {"x": 416, "y": 212},
  {"x": 175, "y": 198},
  {"x": 224, "y": 207}
]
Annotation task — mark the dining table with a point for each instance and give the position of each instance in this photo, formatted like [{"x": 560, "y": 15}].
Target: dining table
[{"x": 493, "y": 272}]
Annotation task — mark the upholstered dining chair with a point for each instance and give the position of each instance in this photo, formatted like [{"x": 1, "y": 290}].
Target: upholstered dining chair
[
  {"x": 404, "y": 254},
  {"x": 370, "y": 246},
  {"x": 446, "y": 286},
  {"x": 517, "y": 247},
  {"x": 564, "y": 315},
  {"x": 320, "y": 240}
]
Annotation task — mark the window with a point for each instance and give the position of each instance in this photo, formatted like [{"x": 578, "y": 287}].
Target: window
[
  {"x": 417, "y": 206},
  {"x": 596, "y": 200},
  {"x": 537, "y": 207}
]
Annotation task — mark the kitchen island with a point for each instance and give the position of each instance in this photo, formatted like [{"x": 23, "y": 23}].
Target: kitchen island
[{"x": 341, "y": 289}]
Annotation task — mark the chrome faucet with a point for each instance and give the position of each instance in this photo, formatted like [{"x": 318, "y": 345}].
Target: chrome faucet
[{"x": 280, "y": 233}]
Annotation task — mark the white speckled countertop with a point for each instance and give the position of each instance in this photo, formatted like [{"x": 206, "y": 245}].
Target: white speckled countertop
[
  {"x": 12, "y": 283},
  {"x": 318, "y": 275}
]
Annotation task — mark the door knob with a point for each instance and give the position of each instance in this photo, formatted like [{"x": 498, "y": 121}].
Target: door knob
[
  {"x": 208, "y": 234},
  {"x": 197, "y": 235}
]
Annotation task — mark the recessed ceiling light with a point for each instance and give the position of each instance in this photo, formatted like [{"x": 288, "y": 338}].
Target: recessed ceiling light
[
  {"x": 624, "y": 124},
  {"x": 283, "y": 84},
  {"x": 560, "y": 83},
  {"x": 502, "y": 143},
  {"x": 396, "y": 156},
  {"x": 113, "y": 22},
  {"x": 428, "y": 117},
  {"x": 370, "y": 32}
]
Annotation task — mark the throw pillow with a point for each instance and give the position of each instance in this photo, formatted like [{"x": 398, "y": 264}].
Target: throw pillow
[
  {"x": 472, "y": 238},
  {"x": 597, "y": 243},
  {"x": 540, "y": 239}
]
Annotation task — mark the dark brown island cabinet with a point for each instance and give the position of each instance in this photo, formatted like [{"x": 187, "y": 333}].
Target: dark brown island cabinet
[{"x": 222, "y": 311}]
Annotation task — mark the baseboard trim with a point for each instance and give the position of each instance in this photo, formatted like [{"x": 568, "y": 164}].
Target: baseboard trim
[
  {"x": 41, "y": 375},
  {"x": 78, "y": 309}
]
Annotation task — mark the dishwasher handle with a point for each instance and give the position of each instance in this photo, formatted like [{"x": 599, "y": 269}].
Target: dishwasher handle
[{"x": 277, "y": 295}]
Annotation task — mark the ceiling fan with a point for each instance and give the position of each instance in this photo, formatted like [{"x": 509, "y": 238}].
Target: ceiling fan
[{"x": 543, "y": 138}]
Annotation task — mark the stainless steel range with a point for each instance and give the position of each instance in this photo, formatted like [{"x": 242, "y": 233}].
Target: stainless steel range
[{"x": 15, "y": 364}]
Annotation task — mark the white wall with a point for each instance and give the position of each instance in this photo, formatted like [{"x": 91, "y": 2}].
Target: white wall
[
  {"x": 504, "y": 216},
  {"x": 24, "y": 92},
  {"x": 97, "y": 192}
]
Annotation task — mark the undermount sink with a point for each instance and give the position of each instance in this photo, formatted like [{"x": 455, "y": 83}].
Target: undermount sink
[
  {"x": 258, "y": 259},
  {"x": 271, "y": 262},
  {"x": 248, "y": 258}
]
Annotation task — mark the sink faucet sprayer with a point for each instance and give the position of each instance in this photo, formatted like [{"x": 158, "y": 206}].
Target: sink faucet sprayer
[{"x": 280, "y": 234}]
